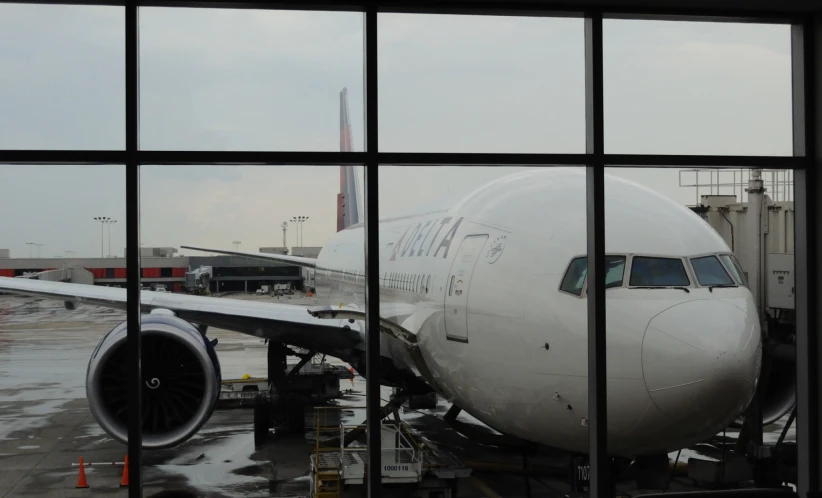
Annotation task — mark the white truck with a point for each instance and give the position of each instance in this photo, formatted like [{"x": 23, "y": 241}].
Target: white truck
[
  {"x": 281, "y": 289},
  {"x": 263, "y": 290}
]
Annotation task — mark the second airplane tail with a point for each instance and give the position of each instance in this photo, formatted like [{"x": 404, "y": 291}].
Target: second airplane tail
[{"x": 348, "y": 199}]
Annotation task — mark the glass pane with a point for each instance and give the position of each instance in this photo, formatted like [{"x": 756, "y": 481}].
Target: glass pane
[
  {"x": 733, "y": 265},
  {"x": 56, "y": 401},
  {"x": 709, "y": 271},
  {"x": 701, "y": 352},
  {"x": 614, "y": 271},
  {"x": 214, "y": 79},
  {"x": 697, "y": 88},
  {"x": 658, "y": 272},
  {"x": 493, "y": 279},
  {"x": 481, "y": 84},
  {"x": 577, "y": 273},
  {"x": 575, "y": 276},
  {"x": 266, "y": 254},
  {"x": 63, "y": 79}
]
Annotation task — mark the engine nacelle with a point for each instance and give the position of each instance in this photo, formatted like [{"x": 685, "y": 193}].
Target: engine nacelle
[
  {"x": 181, "y": 381},
  {"x": 779, "y": 397}
]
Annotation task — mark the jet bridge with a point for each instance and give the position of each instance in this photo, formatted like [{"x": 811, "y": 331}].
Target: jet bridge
[
  {"x": 199, "y": 280},
  {"x": 753, "y": 211}
]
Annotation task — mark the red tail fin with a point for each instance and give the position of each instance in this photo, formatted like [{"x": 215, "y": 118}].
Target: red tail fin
[{"x": 348, "y": 198}]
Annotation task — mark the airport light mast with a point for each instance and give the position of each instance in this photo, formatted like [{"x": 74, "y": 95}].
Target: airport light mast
[
  {"x": 103, "y": 220},
  {"x": 30, "y": 244},
  {"x": 298, "y": 221},
  {"x": 109, "y": 223},
  {"x": 285, "y": 232},
  {"x": 237, "y": 244}
]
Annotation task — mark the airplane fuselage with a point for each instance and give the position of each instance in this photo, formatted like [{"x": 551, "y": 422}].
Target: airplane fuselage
[{"x": 480, "y": 285}]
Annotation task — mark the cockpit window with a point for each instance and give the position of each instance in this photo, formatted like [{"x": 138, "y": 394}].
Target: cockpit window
[
  {"x": 577, "y": 271},
  {"x": 709, "y": 271},
  {"x": 575, "y": 277},
  {"x": 735, "y": 268},
  {"x": 658, "y": 272},
  {"x": 614, "y": 271}
]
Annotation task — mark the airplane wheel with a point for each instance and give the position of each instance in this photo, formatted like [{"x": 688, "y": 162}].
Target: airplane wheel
[{"x": 262, "y": 422}]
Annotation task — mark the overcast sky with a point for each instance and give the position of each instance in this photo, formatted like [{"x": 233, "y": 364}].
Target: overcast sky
[{"x": 251, "y": 80}]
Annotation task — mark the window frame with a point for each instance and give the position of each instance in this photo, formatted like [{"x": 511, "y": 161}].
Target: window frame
[{"x": 806, "y": 144}]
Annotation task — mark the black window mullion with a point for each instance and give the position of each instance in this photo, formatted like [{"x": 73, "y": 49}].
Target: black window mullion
[
  {"x": 805, "y": 53},
  {"x": 372, "y": 267},
  {"x": 595, "y": 211},
  {"x": 133, "y": 284}
]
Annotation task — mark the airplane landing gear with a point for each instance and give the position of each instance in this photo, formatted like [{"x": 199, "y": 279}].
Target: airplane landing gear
[
  {"x": 262, "y": 420},
  {"x": 283, "y": 408}
]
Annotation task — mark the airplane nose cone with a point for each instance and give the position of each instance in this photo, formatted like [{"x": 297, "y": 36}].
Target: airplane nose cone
[{"x": 700, "y": 360}]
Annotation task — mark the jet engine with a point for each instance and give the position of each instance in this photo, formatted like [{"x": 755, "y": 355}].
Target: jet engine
[
  {"x": 779, "y": 396},
  {"x": 778, "y": 393},
  {"x": 181, "y": 381}
]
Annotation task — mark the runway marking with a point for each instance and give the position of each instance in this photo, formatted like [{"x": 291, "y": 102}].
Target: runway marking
[{"x": 486, "y": 489}]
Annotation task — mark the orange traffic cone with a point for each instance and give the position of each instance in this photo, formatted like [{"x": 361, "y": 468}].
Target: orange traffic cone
[
  {"x": 124, "y": 480},
  {"x": 81, "y": 480}
]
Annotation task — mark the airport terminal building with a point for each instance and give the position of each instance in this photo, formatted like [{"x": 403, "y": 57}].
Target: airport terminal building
[{"x": 162, "y": 266}]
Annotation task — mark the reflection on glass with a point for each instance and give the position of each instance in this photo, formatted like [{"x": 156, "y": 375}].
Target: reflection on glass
[
  {"x": 697, "y": 88},
  {"x": 62, "y": 84},
  {"x": 69, "y": 266},
  {"x": 213, "y": 79},
  {"x": 481, "y": 84}
]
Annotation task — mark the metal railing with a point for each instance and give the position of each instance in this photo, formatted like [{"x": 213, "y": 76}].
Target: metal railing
[
  {"x": 778, "y": 183},
  {"x": 329, "y": 419}
]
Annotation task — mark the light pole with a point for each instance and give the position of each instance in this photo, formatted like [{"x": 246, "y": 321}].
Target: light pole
[
  {"x": 296, "y": 231},
  {"x": 302, "y": 240},
  {"x": 38, "y": 250},
  {"x": 103, "y": 220},
  {"x": 109, "y": 223},
  {"x": 237, "y": 244},
  {"x": 30, "y": 244},
  {"x": 68, "y": 252},
  {"x": 298, "y": 221}
]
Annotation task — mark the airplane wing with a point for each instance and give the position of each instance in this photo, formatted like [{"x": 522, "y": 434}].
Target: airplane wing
[
  {"x": 294, "y": 260},
  {"x": 286, "y": 323}
]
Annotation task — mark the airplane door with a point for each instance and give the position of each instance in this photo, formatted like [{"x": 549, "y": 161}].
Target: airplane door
[{"x": 457, "y": 286}]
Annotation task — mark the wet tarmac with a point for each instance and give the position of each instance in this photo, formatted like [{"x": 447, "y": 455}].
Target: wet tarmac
[{"x": 46, "y": 426}]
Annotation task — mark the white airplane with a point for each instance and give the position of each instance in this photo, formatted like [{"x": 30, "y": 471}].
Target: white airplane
[{"x": 483, "y": 302}]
